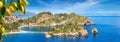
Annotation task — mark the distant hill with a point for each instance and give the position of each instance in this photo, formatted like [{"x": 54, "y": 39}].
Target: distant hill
[
  {"x": 99, "y": 14},
  {"x": 21, "y": 15}
]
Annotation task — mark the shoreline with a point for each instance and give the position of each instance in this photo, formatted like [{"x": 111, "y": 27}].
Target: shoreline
[
  {"x": 25, "y": 32},
  {"x": 17, "y": 32},
  {"x": 83, "y": 32},
  {"x": 30, "y": 25},
  {"x": 33, "y": 25}
]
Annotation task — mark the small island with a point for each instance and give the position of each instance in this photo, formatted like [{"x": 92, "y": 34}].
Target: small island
[{"x": 62, "y": 24}]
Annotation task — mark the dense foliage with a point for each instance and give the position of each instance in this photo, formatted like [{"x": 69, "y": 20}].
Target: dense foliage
[
  {"x": 61, "y": 23},
  {"x": 67, "y": 22},
  {"x": 6, "y": 9}
]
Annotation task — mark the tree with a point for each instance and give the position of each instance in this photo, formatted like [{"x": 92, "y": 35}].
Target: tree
[
  {"x": 7, "y": 8},
  {"x": 21, "y": 21}
]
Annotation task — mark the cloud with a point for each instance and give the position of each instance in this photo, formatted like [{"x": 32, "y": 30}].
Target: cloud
[
  {"x": 100, "y": 13},
  {"x": 82, "y": 6},
  {"x": 69, "y": 6},
  {"x": 51, "y": 5},
  {"x": 43, "y": 3},
  {"x": 59, "y": 6}
]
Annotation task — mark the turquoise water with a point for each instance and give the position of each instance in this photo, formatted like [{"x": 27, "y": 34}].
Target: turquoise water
[
  {"x": 109, "y": 31},
  {"x": 37, "y": 29}
]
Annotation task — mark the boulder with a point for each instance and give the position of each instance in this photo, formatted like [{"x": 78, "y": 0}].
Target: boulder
[
  {"x": 48, "y": 36},
  {"x": 94, "y": 31},
  {"x": 83, "y": 33}
]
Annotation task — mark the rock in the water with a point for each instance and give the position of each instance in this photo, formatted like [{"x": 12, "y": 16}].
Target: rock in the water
[
  {"x": 94, "y": 31},
  {"x": 83, "y": 33},
  {"x": 88, "y": 24},
  {"x": 48, "y": 36}
]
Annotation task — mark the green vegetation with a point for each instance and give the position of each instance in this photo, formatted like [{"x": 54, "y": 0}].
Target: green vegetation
[
  {"x": 6, "y": 9},
  {"x": 11, "y": 26},
  {"x": 72, "y": 24},
  {"x": 67, "y": 22},
  {"x": 62, "y": 23},
  {"x": 66, "y": 28}
]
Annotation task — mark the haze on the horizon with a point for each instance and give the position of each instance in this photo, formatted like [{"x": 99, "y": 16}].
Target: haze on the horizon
[{"x": 81, "y": 7}]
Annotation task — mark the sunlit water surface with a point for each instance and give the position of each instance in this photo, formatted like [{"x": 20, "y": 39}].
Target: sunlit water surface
[{"x": 109, "y": 31}]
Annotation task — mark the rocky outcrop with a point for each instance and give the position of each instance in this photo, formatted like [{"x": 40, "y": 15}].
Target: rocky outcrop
[
  {"x": 83, "y": 33},
  {"x": 94, "y": 31},
  {"x": 86, "y": 23},
  {"x": 48, "y": 36}
]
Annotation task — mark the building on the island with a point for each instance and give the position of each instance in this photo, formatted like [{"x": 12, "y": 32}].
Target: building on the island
[{"x": 11, "y": 19}]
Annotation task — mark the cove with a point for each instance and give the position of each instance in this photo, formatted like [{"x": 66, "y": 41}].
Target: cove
[{"x": 108, "y": 27}]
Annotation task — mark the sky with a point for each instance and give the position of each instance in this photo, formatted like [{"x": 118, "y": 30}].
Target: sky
[{"x": 81, "y": 7}]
